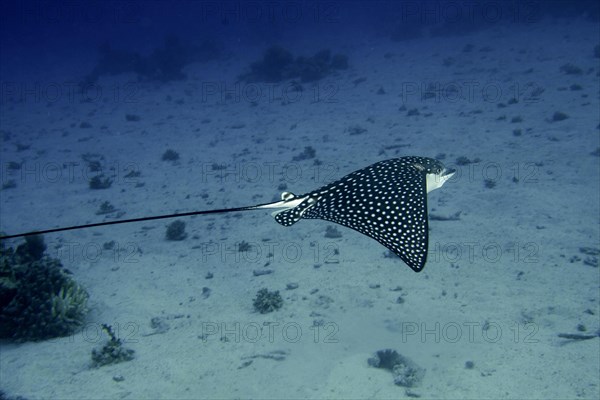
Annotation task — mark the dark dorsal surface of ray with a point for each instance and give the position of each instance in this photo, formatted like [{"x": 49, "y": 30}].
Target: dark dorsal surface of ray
[{"x": 386, "y": 201}]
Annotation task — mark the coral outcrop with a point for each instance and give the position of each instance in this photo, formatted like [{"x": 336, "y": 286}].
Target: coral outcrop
[
  {"x": 38, "y": 298},
  {"x": 278, "y": 65}
]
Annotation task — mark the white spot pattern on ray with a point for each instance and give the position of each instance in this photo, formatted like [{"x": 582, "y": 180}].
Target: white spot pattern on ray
[{"x": 386, "y": 201}]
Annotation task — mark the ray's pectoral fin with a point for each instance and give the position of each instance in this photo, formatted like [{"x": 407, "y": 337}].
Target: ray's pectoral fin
[
  {"x": 290, "y": 216},
  {"x": 386, "y": 202},
  {"x": 411, "y": 244},
  {"x": 409, "y": 239}
]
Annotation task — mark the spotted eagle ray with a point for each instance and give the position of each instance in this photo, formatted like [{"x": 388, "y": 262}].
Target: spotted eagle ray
[{"x": 386, "y": 201}]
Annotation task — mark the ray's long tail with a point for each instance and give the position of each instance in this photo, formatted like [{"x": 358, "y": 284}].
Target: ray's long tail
[{"x": 288, "y": 200}]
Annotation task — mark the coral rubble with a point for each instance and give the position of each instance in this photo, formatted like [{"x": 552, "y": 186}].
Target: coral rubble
[
  {"x": 112, "y": 352},
  {"x": 266, "y": 302},
  {"x": 406, "y": 372}
]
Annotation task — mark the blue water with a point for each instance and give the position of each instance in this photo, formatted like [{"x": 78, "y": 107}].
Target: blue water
[{"x": 174, "y": 107}]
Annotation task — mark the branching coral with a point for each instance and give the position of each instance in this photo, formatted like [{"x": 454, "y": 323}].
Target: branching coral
[{"x": 70, "y": 304}]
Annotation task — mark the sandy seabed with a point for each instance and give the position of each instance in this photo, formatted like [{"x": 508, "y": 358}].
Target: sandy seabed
[{"x": 502, "y": 281}]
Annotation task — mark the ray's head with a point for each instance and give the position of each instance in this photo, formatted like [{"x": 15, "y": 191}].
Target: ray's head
[{"x": 436, "y": 173}]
